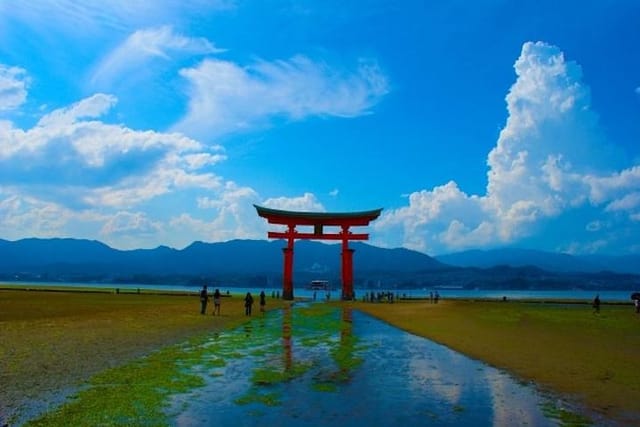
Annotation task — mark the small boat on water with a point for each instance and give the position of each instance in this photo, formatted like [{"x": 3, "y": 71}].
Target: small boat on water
[{"x": 318, "y": 285}]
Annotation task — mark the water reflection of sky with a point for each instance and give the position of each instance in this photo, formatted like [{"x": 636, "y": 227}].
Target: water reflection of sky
[
  {"x": 457, "y": 382},
  {"x": 453, "y": 388},
  {"x": 381, "y": 377}
]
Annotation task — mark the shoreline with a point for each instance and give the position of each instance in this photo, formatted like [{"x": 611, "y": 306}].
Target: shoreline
[{"x": 607, "y": 295}]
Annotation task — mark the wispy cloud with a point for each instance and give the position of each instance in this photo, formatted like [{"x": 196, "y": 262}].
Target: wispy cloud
[
  {"x": 627, "y": 203},
  {"x": 88, "y": 108},
  {"x": 93, "y": 16},
  {"x": 20, "y": 216},
  {"x": 13, "y": 87},
  {"x": 147, "y": 49},
  {"x": 549, "y": 158},
  {"x": 129, "y": 224},
  {"x": 226, "y": 97}
]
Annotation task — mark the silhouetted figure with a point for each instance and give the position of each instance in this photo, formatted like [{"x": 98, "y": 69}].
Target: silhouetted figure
[
  {"x": 216, "y": 302},
  {"x": 436, "y": 297},
  {"x": 263, "y": 301},
  {"x": 596, "y": 304},
  {"x": 248, "y": 303},
  {"x": 204, "y": 297}
]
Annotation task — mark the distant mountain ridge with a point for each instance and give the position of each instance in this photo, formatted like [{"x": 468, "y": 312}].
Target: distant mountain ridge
[
  {"x": 557, "y": 262},
  {"x": 260, "y": 263},
  {"x": 74, "y": 256}
]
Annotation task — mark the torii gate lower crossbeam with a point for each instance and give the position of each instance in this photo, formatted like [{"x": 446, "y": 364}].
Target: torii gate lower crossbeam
[{"x": 318, "y": 220}]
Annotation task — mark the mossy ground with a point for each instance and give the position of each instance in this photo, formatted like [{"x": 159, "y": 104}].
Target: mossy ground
[
  {"x": 149, "y": 390},
  {"x": 126, "y": 354},
  {"x": 54, "y": 341}
]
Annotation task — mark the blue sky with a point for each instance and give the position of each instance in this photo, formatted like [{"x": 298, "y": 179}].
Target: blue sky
[{"x": 473, "y": 124}]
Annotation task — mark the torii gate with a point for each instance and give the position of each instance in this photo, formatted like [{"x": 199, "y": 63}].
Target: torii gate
[{"x": 317, "y": 220}]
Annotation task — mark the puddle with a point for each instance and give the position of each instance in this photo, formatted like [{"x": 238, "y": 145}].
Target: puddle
[{"x": 318, "y": 365}]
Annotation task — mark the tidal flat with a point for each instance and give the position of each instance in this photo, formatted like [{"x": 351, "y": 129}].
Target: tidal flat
[
  {"x": 308, "y": 365},
  {"x": 54, "y": 341},
  {"x": 60, "y": 345},
  {"x": 562, "y": 346}
]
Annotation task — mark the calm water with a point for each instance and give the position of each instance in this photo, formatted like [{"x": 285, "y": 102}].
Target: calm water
[
  {"x": 318, "y": 366},
  {"x": 301, "y": 292}
]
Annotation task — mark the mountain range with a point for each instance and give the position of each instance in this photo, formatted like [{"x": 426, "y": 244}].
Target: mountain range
[
  {"x": 260, "y": 262},
  {"x": 558, "y": 262}
]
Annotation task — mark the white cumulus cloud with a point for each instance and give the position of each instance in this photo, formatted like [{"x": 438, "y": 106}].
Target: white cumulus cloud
[
  {"x": 305, "y": 203},
  {"x": 551, "y": 156},
  {"x": 72, "y": 174},
  {"x": 234, "y": 216},
  {"x": 70, "y": 155}
]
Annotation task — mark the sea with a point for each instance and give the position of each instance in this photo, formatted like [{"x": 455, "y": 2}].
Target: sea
[{"x": 332, "y": 294}]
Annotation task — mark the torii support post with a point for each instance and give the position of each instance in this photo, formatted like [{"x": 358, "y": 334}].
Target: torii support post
[
  {"x": 287, "y": 281},
  {"x": 317, "y": 220},
  {"x": 347, "y": 266}
]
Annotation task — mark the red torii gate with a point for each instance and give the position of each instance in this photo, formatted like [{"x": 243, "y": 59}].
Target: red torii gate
[{"x": 318, "y": 220}]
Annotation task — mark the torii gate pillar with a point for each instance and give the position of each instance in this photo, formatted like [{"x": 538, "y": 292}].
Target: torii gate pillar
[
  {"x": 347, "y": 267},
  {"x": 318, "y": 220},
  {"x": 287, "y": 281}
]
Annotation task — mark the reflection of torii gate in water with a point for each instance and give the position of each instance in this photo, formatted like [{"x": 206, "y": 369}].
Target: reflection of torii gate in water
[
  {"x": 344, "y": 355},
  {"x": 317, "y": 220}
]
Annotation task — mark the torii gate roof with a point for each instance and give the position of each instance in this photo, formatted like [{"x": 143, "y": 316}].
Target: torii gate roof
[{"x": 277, "y": 216}]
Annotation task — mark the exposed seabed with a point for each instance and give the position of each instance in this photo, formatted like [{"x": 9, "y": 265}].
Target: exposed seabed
[{"x": 314, "y": 365}]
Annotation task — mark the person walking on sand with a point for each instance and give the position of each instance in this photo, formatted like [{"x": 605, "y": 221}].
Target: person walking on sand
[
  {"x": 263, "y": 301},
  {"x": 248, "y": 303},
  {"x": 596, "y": 305},
  {"x": 204, "y": 298},
  {"x": 216, "y": 302}
]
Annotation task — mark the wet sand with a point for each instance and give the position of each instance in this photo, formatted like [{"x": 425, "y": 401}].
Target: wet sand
[{"x": 563, "y": 347}]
